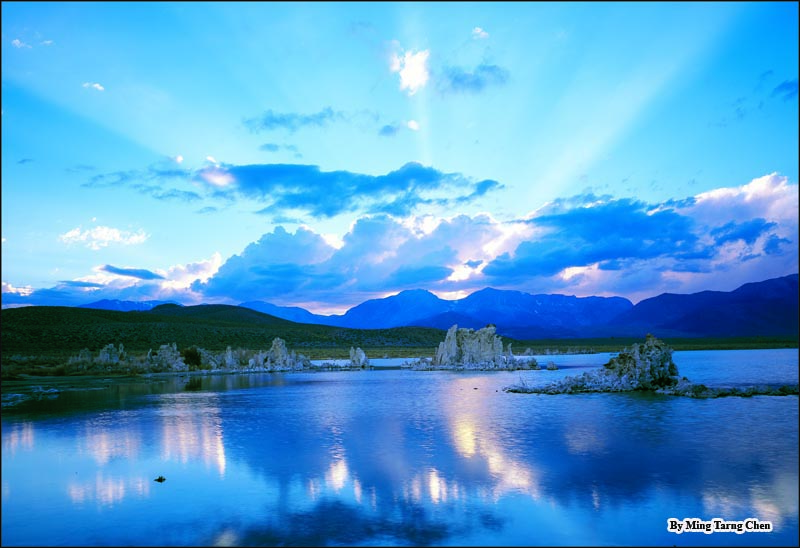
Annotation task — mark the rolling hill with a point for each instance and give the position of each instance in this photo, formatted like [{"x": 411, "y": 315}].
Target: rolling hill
[
  {"x": 49, "y": 329},
  {"x": 767, "y": 308}
]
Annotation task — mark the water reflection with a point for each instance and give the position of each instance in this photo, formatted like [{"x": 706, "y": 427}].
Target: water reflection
[
  {"x": 107, "y": 491},
  {"x": 774, "y": 500},
  {"x": 192, "y": 429},
  {"x": 105, "y": 443},
  {"x": 472, "y": 428},
  {"x": 468, "y": 443},
  {"x": 19, "y": 436},
  {"x": 321, "y": 459}
]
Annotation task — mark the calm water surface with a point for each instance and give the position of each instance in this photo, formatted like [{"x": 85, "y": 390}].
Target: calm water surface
[{"x": 398, "y": 457}]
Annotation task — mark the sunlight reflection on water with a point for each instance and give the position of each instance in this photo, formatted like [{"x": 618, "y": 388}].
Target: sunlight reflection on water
[{"x": 402, "y": 458}]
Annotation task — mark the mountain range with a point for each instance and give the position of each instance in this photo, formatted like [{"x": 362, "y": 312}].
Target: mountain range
[{"x": 767, "y": 308}]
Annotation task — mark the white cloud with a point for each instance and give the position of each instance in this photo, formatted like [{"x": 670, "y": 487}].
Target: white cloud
[
  {"x": 102, "y": 236},
  {"x": 770, "y": 197},
  {"x": 19, "y": 44},
  {"x": 479, "y": 34},
  {"x": 47, "y": 42},
  {"x": 413, "y": 69},
  {"x": 381, "y": 254},
  {"x": 23, "y": 291},
  {"x": 183, "y": 276},
  {"x": 378, "y": 254},
  {"x": 413, "y": 125},
  {"x": 109, "y": 280},
  {"x": 216, "y": 176},
  {"x": 94, "y": 85},
  {"x": 179, "y": 159}
]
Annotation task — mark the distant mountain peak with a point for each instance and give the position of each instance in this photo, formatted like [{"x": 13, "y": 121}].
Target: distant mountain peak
[{"x": 414, "y": 293}]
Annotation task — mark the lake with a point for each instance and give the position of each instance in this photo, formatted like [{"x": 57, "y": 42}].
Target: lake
[{"x": 401, "y": 457}]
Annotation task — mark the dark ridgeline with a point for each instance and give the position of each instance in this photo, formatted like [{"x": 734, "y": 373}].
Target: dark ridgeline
[
  {"x": 410, "y": 319},
  {"x": 47, "y": 329},
  {"x": 768, "y": 308}
]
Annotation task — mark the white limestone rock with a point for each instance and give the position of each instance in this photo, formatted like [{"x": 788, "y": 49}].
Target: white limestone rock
[
  {"x": 280, "y": 359},
  {"x": 481, "y": 349},
  {"x": 167, "y": 358},
  {"x": 647, "y": 366},
  {"x": 358, "y": 358},
  {"x": 109, "y": 355}
]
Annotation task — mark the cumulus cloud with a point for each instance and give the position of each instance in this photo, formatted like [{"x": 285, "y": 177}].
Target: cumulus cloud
[
  {"x": 596, "y": 233},
  {"x": 278, "y": 263},
  {"x": 11, "y": 290},
  {"x": 412, "y": 67},
  {"x": 102, "y": 236},
  {"x": 19, "y": 44},
  {"x": 124, "y": 283},
  {"x": 581, "y": 245},
  {"x": 770, "y": 197},
  {"x": 605, "y": 246},
  {"x": 459, "y": 80},
  {"x": 94, "y": 85},
  {"x": 379, "y": 253},
  {"x": 181, "y": 277}
]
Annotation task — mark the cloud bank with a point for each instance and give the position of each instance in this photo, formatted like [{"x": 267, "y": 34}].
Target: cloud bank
[{"x": 582, "y": 245}]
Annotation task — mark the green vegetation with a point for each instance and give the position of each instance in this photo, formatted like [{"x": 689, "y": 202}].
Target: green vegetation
[
  {"x": 62, "y": 341},
  {"x": 191, "y": 357},
  {"x": 54, "y": 340},
  {"x": 44, "y": 330}
]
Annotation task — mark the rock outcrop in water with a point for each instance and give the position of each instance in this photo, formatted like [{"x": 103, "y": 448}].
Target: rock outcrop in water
[
  {"x": 358, "y": 358},
  {"x": 278, "y": 358},
  {"x": 646, "y": 367},
  {"x": 469, "y": 349},
  {"x": 168, "y": 358}
]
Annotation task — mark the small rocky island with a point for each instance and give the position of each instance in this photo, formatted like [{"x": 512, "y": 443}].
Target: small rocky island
[
  {"x": 644, "y": 367},
  {"x": 464, "y": 348}
]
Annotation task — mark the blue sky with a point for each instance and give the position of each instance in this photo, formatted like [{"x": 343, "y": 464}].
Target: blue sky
[{"x": 321, "y": 154}]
